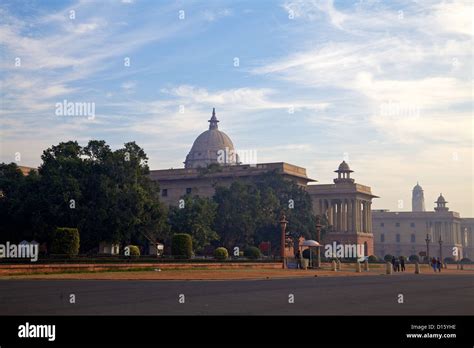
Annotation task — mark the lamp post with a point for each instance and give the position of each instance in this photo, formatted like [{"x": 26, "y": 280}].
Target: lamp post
[
  {"x": 440, "y": 250},
  {"x": 318, "y": 239},
  {"x": 283, "y": 223},
  {"x": 428, "y": 240}
]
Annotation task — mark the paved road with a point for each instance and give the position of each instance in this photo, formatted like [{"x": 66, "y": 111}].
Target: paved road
[{"x": 422, "y": 295}]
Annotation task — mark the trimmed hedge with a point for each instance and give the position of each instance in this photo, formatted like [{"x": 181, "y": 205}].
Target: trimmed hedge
[
  {"x": 252, "y": 253},
  {"x": 221, "y": 253},
  {"x": 182, "y": 246},
  {"x": 414, "y": 258},
  {"x": 466, "y": 260},
  {"x": 449, "y": 260},
  {"x": 134, "y": 250},
  {"x": 373, "y": 258},
  {"x": 388, "y": 257},
  {"x": 65, "y": 241}
]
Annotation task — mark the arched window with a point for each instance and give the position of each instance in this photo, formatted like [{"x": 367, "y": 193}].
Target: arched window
[
  {"x": 398, "y": 237},
  {"x": 382, "y": 237},
  {"x": 413, "y": 238}
]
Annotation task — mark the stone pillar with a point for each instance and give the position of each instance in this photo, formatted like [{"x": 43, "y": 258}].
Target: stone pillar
[
  {"x": 366, "y": 208},
  {"x": 357, "y": 210},
  {"x": 331, "y": 213},
  {"x": 370, "y": 217},
  {"x": 339, "y": 216},
  {"x": 354, "y": 215},
  {"x": 349, "y": 215},
  {"x": 344, "y": 215},
  {"x": 364, "y": 221}
]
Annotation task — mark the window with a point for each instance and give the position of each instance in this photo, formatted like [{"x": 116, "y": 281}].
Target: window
[
  {"x": 164, "y": 193},
  {"x": 398, "y": 237},
  {"x": 382, "y": 224},
  {"x": 397, "y": 224},
  {"x": 413, "y": 238},
  {"x": 382, "y": 237},
  {"x": 188, "y": 190},
  {"x": 412, "y": 224}
]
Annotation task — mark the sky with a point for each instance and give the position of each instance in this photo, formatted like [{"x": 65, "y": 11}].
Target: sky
[{"x": 384, "y": 85}]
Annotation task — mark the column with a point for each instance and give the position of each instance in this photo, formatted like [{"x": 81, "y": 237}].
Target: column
[
  {"x": 370, "y": 217},
  {"x": 354, "y": 215},
  {"x": 341, "y": 216},
  {"x": 364, "y": 220},
  {"x": 349, "y": 215},
  {"x": 331, "y": 214},
  {"x": 344, "y": 216},
  {"x": 366, "y": 208}
]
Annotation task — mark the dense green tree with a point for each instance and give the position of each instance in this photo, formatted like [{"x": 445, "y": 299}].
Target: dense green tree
[
  {"x": 196, "y": 217},
  {"x": 108, "y": 195}
]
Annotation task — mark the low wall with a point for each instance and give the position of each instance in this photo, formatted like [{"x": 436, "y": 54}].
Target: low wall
[{"x": 95, "y": 267}]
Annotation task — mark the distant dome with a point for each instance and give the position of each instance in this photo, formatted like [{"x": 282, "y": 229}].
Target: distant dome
[
  {"x": 344, "y": 167},
  {"x": 211, "y": 146},
  {"x": 441, "y": 199},
  {"x": 417, "y": 187}
]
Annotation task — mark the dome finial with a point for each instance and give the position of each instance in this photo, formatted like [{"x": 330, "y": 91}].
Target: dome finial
[{"x": 213, "y": 121}]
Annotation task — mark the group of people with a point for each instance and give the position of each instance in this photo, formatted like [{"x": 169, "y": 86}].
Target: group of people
[
  {"x": 398, "y": 264},
  {"x": 436, "y": 264}
]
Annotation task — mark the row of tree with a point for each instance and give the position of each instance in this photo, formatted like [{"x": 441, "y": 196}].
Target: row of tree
[{"x": 109, "y": 196}]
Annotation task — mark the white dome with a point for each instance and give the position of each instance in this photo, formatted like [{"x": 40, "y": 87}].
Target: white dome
[{"x": 211, "y": 146}]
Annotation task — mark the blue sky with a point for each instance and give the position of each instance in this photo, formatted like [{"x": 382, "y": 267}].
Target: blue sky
[{"x": 385, "y": 85}]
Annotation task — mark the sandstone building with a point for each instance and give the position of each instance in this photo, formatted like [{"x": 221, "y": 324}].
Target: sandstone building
[
  {"x": 208, "y": 164},
  {"x": 406, "y": 233}
]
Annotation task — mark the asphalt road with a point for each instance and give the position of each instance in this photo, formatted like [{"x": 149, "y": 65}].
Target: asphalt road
[{"x": 375, "y": 295}]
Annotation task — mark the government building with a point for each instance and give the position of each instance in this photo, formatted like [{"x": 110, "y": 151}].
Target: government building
[
  {"x": 436, "y": 233},
  {"x": 213, "y": 161}
]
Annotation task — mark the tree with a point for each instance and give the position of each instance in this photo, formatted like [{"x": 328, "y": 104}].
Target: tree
[
  {"x": 196, "y": 218},
  {"x": 237, "y": 214},
  {"x": 108, "y": 195},
  {"x": 248, "y": 211},
  {"x": 182, "y": 245},
  {"x": 65, "y": 241}
]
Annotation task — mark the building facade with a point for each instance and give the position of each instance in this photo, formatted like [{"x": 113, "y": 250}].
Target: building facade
[
  {"x": 420, "y": 232},
  {"x": 347, "y": 206}
]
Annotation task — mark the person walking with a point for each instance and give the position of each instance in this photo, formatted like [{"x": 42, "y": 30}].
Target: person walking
[
  {"x": 402, "y": 263},
  {"x": 298, "y": 259},
  {"x": 393, "y": 263},
  {"x": 438, "y": 264},
  {"x": 434, "y": 264}
]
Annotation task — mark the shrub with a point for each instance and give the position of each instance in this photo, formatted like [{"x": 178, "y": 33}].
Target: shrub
[
  {"x": 252, "y": 253},
  {"x": 388, "y": 257},
  {"x": 221, "y": 253},
  {"x": 65, "y": 241},
  {"x": 134, "y": 250},
  {"x": 373, "y": 258},
  {"x": 466, "y": 260},
  {"x": 182, "y": 246},
  {"x": 449, "y": 260},
  {"x": 414, "y": 258}
]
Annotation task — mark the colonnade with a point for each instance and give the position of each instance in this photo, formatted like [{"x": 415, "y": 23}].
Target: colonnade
[{"x": 349, "y": 214}]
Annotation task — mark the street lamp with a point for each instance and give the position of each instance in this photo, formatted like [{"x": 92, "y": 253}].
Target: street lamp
[
  {"x": 283, "y": 223},
  {"x": 318, "y": 239},
  {"x": 428, "y": 240},
  {"x": 440, "y": 250}
]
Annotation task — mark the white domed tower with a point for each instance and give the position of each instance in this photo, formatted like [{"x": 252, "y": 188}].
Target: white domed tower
[
  {"x": 441, "y": 204},
  {"x": 212, "y": 146},
  {"x": 417, "y": 199}
]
